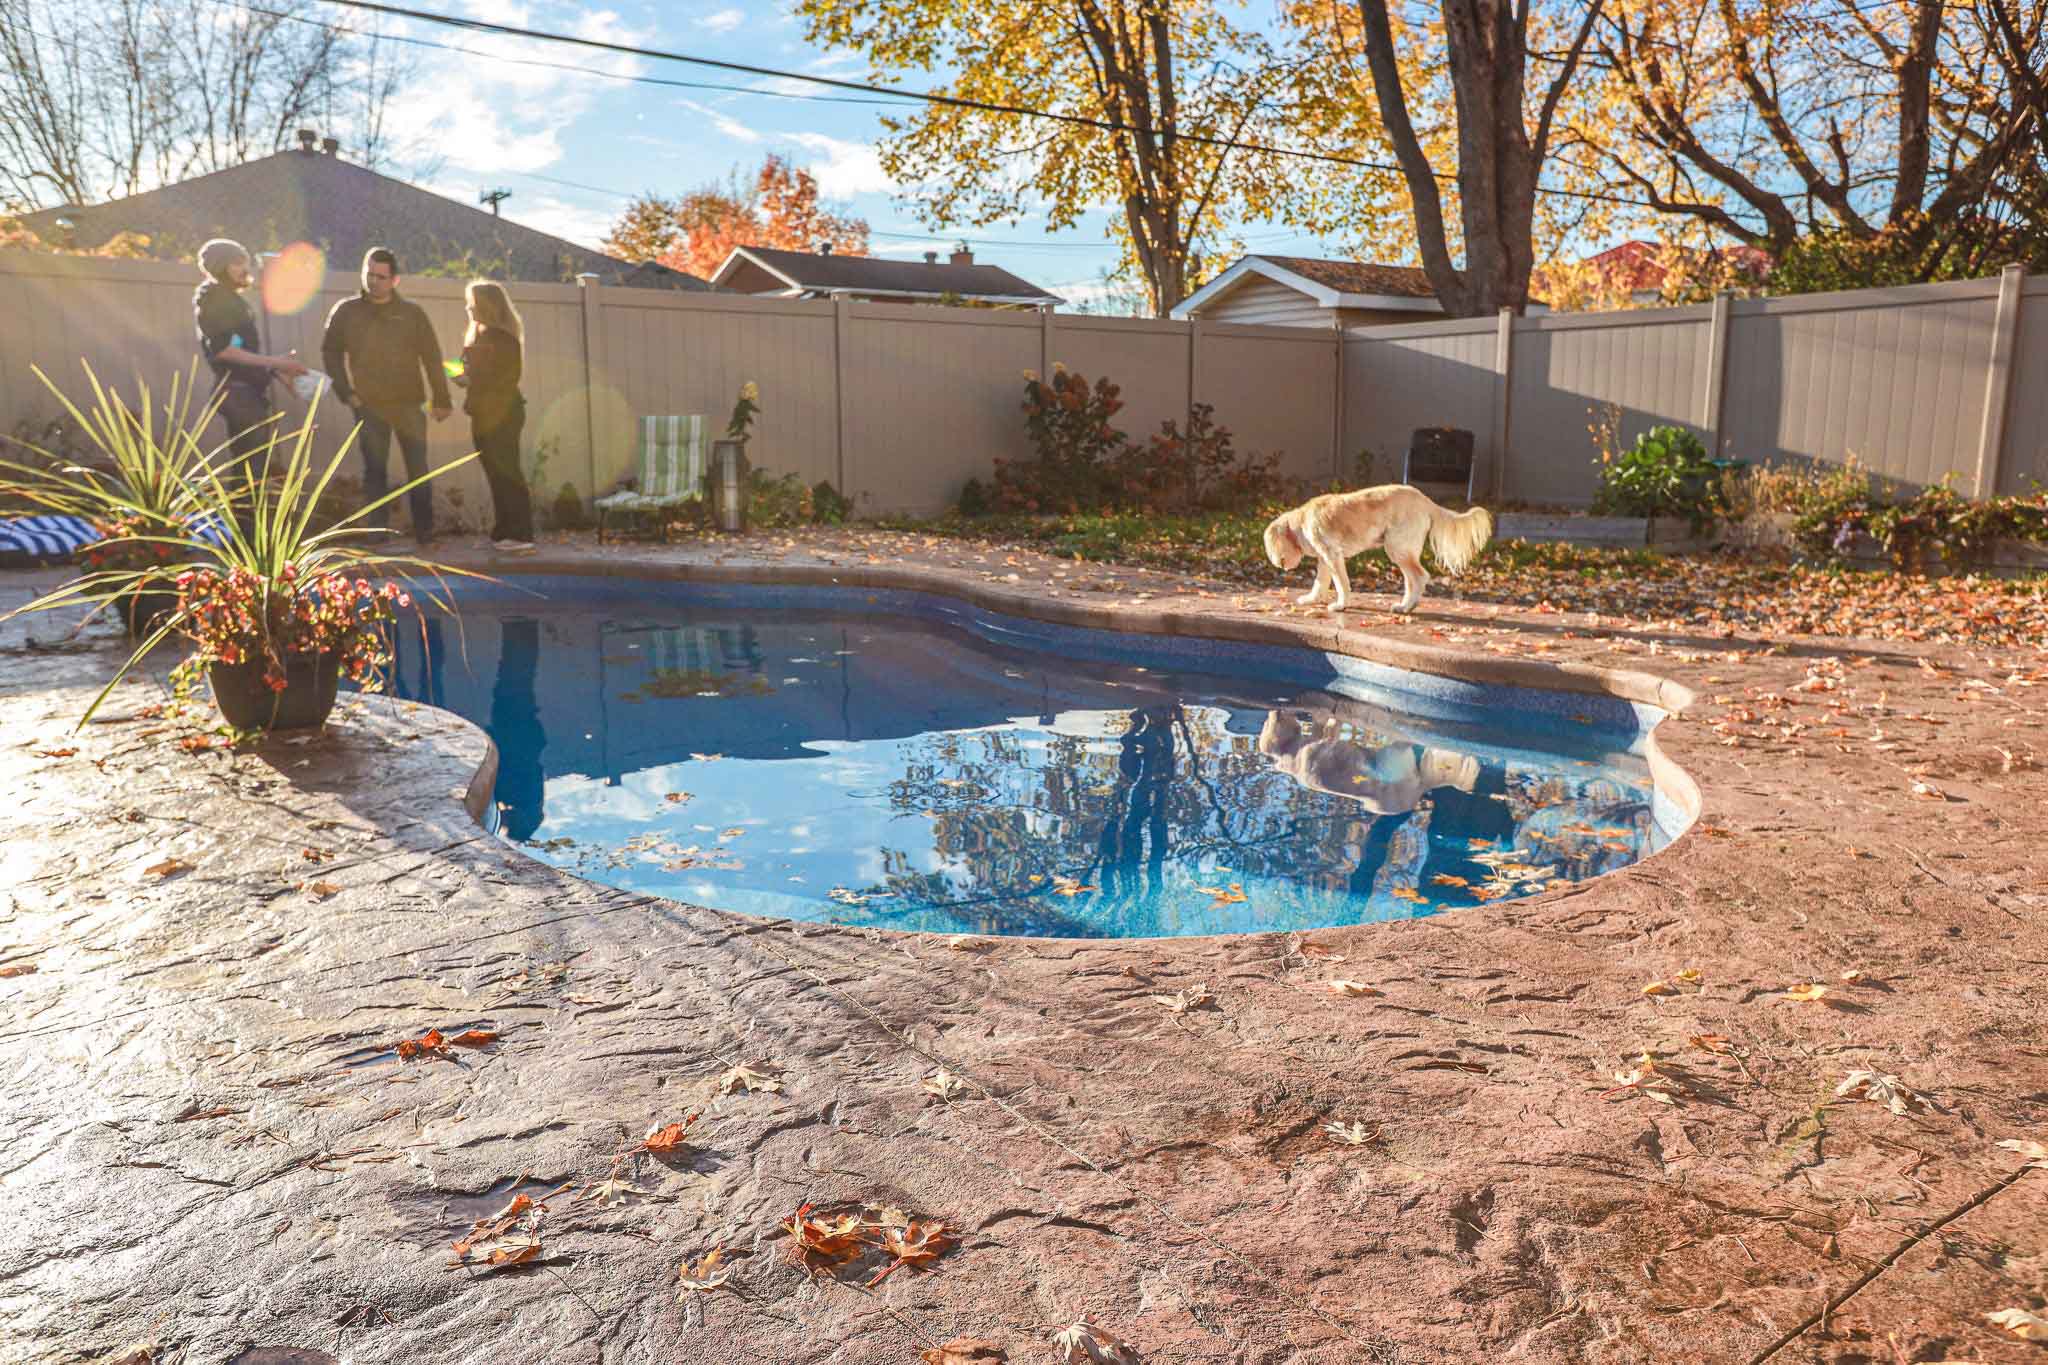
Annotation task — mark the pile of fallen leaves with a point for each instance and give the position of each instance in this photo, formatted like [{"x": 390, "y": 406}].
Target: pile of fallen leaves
[{"x": 886, "y": 1236}]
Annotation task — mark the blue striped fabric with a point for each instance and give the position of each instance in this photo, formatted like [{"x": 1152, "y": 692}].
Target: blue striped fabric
[{"x": 60, "y": 537}]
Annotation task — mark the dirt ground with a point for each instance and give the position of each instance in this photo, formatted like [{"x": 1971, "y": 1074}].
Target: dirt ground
[{"x": 210, "y": 1145}]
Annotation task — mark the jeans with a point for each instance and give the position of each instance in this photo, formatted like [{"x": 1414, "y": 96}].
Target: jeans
[
  {"x": 498, "y": 452},
  {"x": 410, "y": 426}
]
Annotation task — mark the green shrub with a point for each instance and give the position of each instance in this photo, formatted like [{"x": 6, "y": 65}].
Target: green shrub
[
  {"x": 569, "y": 514},
  {"x": 1666, "y": 473},
  {"x": 1908, "y": 525},
  {"x": 829, "y": 506},
  {"x": 974, "y": 499}
]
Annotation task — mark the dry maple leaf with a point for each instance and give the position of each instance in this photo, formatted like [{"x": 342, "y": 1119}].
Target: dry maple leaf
[
  {"x": 321, "y": 890},
  {"x": 1806, "y": 990},
  {"x": 2022, "y": 1324},
  {"x": 964, "y": 1351},
  {"x": 837, "y": 1239},
  {"x": 169, "y": 867},
  {"x": 708, "y": 1274},
  {"x": 1317, "y": 950},
  {"x": 428, "y": 1044},
  {"x": 918, "y": 1244},
  {"x": 943, "y": 1084},
  {"x": 1186, "y": 1000},
  {"x": 1352, "y": 988},
  {"x": 1718, "y": 1043},
  {"x": 661, "y": 1138},
  {"x": 1231, "y": 895},
  {"x": 1356, "y": 1135},
  {"x": 610, "y": 1190},
  {"x": 2036, "y": 1154},
  {"x": 753, "y": 1075},
  {"x": 18, "y": 969},
  {"x": 1448, "y": 879},
  {"x": 1086, "y": 1343},
  {"x": 475, "y": 1037},
  {"x": 1660, "y": 988},
  {"x": 1886, "y": 1090}
]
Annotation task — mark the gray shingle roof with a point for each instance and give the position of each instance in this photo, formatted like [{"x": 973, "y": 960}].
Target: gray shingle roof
[
  {"x": 345, "y": 209},
  {"x": 876, "y": 274}
]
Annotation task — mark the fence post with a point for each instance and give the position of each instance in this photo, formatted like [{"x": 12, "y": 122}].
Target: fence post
[
  {"x": 1044, "y": 342},
  {"x": 1998, "y": 381},
  {"x": 842, "y": 311},
  {"x": 1717, "y": 370},
  {"x": 1337, "y": 471},
  {"x": 593, "y": 366},
  {"x": 1503, "y": 365}
]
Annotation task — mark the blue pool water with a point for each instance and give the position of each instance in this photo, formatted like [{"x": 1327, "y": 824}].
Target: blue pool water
[{"x": 908, "y": 762}]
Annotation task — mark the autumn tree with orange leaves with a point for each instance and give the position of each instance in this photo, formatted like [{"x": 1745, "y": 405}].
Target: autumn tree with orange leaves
[{"x": 696, "y": 231}]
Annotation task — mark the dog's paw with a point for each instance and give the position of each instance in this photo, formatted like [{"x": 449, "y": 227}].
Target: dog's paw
[
  {"x": 1308, "y": 599},
  {"x": 1337, "y": 608}
]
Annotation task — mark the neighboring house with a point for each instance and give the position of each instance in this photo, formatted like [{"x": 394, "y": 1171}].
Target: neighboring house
[
  {"x": 1299, "y": 291},
  {"x": 313, "y": 195},
  {"x": 1639, "y": 269},
  {"x": 822, "y": 275}
]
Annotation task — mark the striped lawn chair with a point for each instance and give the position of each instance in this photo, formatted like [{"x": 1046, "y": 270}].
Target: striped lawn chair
[{"x": 672, "y": 453}]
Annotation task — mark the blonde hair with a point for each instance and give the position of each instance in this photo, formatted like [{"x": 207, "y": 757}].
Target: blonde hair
[{"x": 491, "y": 306}]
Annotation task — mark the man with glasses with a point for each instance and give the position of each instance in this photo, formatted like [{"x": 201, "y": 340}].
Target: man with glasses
[{"x": 383, "y": 358}]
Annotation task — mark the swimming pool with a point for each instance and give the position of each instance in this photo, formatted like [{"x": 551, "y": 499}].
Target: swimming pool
[{"x": 908, "y": 761}]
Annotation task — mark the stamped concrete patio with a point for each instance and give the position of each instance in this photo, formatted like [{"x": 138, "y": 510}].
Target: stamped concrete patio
[{"x": 210, "y": 1146}]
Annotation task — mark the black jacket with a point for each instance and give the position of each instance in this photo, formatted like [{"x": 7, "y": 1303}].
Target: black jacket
[
  {"x": 224, "y": 319},
  {"x": 491, "y": 364},
  {"x": 391, "y": 353}
]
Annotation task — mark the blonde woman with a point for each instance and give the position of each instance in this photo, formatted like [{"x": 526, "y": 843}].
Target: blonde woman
[{"x": 491, "y": 362}]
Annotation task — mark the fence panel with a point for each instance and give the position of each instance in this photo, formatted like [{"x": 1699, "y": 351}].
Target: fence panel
[
  {"x": 1145, "y": 358},
  {"x": 932, "y": 399},
  {"x": 2025, "y": 462},
  {"x": 1276, "y": 389},
  {"x": 1437, "y": 374},
  {"x": 1570, "y": 375},
  {"x": 1894, "y": 377}
]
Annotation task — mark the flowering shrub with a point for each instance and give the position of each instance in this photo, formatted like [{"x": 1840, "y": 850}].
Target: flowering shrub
[
  {"x": 134, "y": 540},
  {"x": 237, "y": 617},
  {"x": 1177, "y": 471}
]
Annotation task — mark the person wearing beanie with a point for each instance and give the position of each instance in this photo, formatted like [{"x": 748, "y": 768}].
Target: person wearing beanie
[
  {"x": 233, "y": 347},
  {"x": 382, "y": 358}
]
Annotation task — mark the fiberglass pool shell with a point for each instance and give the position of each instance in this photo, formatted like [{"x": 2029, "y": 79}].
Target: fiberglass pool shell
[{"x": 911, "y": 761}]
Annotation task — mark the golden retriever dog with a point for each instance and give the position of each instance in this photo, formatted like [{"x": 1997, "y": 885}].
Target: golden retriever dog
[
  {"x": 1386, "y": 779},
  {"x": 1336, "y": 526}
]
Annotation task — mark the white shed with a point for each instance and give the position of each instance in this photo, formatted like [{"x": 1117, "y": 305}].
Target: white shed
[{"x": 1299, "y": 291}]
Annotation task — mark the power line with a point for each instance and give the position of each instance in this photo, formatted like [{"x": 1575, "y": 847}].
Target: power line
[{"x": 924, "y": 96}]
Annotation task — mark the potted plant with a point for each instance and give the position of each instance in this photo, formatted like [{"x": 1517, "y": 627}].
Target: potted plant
[
  {"x": 143, "y": 493},
  {"x": 730, "y": 482},
  {"x": 277, "y": 612}
]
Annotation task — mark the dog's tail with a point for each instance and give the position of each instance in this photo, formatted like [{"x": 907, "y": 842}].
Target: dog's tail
[{"x": 1455, "y": 537}]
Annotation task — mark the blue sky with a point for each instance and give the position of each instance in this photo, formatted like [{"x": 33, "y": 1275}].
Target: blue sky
[{"x": 493, "y": 122}]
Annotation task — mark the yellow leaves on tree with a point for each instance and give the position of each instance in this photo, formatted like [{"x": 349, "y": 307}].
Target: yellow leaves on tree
[{"x": 696, "y": 231}]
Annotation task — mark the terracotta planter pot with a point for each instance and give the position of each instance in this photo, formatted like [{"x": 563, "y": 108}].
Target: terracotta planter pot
[{"x": 310, "y": 684}]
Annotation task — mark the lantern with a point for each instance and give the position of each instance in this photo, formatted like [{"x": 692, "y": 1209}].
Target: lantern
[{"x": 729, "y": 485}]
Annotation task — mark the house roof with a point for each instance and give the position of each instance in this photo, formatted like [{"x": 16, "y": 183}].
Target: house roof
[
  {"x": 1332, "y": 284},
  {"x": 808, "y": 272},
  {"x": 345, "y": 209},
  {"x": 1637, "y": 264}
]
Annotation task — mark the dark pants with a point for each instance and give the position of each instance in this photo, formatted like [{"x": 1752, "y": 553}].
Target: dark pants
[
  {"x": 498, "y": 452},
  {"x": 410, "y": 426},
  {"x": 245, "y": 412}
]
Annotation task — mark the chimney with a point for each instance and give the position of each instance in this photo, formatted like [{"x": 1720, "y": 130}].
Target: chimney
[
  {"x": 961, "y": 255},
  {"x": 931, "y": 258},
  {"x": 307, "y": 137},
  {"x": 331, "y": 146}
]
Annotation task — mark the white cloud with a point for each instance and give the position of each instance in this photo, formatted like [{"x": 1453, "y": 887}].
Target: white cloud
[
  {"x": 724, "y": 123},
  {"x": 847, "y": 168},
  {"x": 722, "y": 21}
]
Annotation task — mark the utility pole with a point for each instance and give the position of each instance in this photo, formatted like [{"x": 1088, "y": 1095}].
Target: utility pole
[{"x": 494, "y": 198}]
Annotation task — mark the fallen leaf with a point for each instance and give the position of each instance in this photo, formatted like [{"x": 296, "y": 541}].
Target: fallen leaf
[
  {"x": 838, "y": 1239},
  {"x": 1806, "y": 990},
  {"x": 169, "y": 867},
  {"x": 2022, "y": 1324},
  {"x": 1188, "y": 999},
  {"x": 322, "y": 890},
  {"x": 1069, "y": 886},
  {"x": 2036, "y": 1154},
  {"x": 964, "y": 1351},
  {"x": 1086, "y": 1343},
  {"x": 1854, "y": 975},
  {"x": 54, "y": 753},
  {"x": 1231, "y": 895},
  {"x": 961, "y": 943},
  {"x": 708, "y": 1274},
  {"x": 917, "y": 1244},
  {"x": 1357, "y": 1135},
  {"x": 1927, "y": 791},
  {"x": 943, "y": 1084},
  {"x": 753, "y": 1075},
  {"x": 428, "y": 1044},
  {"x": 1407, "y": 893},
  {"x": 1317, "y": 950},
  {"x": 1718, "y": 1043},
  {"x": 1886, "y": 1090},
  {"x": 661, "y": 1139},
  {"x": 1353, "y": 988},
  {"x": 1660, "y": 988},
  {"x": 1448, "y": 879},
  {"x": 476, "y": 1037},
  {"x": 609, "y": 1191},
  {"x": 19, "y": 969}
]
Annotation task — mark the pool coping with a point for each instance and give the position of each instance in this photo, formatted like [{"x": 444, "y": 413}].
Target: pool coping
[{"x": 1672, "y": 782}]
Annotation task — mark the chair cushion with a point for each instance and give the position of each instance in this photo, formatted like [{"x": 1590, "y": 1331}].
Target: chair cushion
[{"x": 49, "y": 537}]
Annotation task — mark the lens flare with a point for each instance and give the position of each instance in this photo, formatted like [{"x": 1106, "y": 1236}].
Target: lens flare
[{"x": 293, "y": 277}]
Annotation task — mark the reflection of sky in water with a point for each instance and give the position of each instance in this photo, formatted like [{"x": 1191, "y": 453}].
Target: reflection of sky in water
[{"x": 891, "y": 771}]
